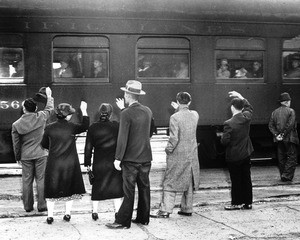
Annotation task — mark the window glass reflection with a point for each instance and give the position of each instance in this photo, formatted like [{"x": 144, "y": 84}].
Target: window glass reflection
[
  {"x": 167, "y": 64},
  {"x": 291, "y": 64},
  {"x": 239, "y": 64},
  {"x": 11, "y": 63},
  {"x": 80, "y": 63}
]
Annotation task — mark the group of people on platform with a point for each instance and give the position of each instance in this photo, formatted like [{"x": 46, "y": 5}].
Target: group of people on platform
[{"x": 120, "y": 154}]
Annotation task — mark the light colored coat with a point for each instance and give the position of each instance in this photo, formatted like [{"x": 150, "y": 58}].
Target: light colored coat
[{"x": 182, "y": 152}]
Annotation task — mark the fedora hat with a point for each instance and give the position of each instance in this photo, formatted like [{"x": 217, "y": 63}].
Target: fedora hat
[
  {"x": 41, "y": 95},
  {"x": 133, "y": 87},
  {"x": 284, "y": 97}
]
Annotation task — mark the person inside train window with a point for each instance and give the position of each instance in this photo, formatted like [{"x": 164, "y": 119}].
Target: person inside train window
[
  {"x": 240, "y": 73},
  {"x": 223, "y": 71},
  {"x": 76, "y": 65},
  {"x": 148, "y": 69},
  {"x": 183, "y": 71},
  {"x": 98, "y": 69},
  {"x": 295, "y": 71},
  {"x": 19, "y": 70},
  {"x": 65, "y": 70},
  {"x": 256, "y": 71}
]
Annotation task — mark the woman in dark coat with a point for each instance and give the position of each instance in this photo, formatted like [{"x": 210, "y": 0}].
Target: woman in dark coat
[
  {"x": 102, "y": 138},
  {"x": 63, "y": 177}
]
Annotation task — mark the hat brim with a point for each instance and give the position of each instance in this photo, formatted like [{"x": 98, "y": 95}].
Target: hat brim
[{"x": 136, "y": 93}]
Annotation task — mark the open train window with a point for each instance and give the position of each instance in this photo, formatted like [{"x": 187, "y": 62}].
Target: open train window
[
  {"x": 163, "y": 59},
  {"x": 239, "y": 60},
  {"x": 80, "y": 59},
  {"x": 291, "y": 59},
  {"x": 11, "y": 59}
]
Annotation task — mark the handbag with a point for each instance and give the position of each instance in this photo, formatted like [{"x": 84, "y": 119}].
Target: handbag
[{"x": 91, "y": 175}]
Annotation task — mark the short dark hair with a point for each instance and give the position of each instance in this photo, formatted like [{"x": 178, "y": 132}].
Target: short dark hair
[
  {"x": 237, "y": 103},
  {"x": 30, "y": 105},
  {"x": 183, "y": 97}
]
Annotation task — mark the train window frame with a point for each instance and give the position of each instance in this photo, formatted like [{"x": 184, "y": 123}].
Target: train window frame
[
  {"x": 80, "y": 45},
  {"x": 12, "y": 49},
  {"x": 242, "y": 47},
  {"x": 290, "y": 54},
  {"x": 176, "y": 47}
]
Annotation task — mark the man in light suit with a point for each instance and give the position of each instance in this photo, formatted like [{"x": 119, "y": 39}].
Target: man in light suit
[
  {"x": 182, "y": 173},
  {"x": 238, "y": 150}
]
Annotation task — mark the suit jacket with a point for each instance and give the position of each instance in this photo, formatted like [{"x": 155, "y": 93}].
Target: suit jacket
[
  {"x": 27, "y": 133},
  {"x": 283, "y": 121},
  {"x": 236, "y": 135},
  {"x": 182, "y": 151},
  {"x": 136, "y": 125}
]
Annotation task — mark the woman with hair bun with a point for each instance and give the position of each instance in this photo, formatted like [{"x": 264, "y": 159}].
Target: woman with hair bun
[{"x": 102, "y": 138}]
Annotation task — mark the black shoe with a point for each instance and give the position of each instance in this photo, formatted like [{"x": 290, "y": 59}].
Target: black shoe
[
  {"x": 233, "y": 207},
  {"x": 95, "y": 216},
  {"x": 185, "y": 213},
  {"x": 247, "y": 206},
  {"x": 29, "y": 210},
  {"x": 43, "y": 210},
  {"x": 138, "y": 221},
  {"x": 160, "y": 214},
  {"x": 116, "y": 226},
  {"x": 49, "y": 220},
  {"x": 67, "y": 217}
]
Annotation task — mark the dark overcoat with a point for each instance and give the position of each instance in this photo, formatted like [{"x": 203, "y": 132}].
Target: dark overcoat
[
  {"x": 102, "y": 138},
  {"x": 236, "y": 135},
  {"x": 182, "y": 160},
  {"x": 63, "y": 177}
]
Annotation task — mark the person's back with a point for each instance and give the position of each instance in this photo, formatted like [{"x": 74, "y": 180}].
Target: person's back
[
  {"x": 138, "y": 145},
  {"x": 238, "y": 143},
  {"x": 27, "y": 134},
  {"x": 187, "y": 121}
]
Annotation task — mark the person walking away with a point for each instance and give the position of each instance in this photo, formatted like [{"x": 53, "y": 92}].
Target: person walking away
[
  {"x": 283, "y": 126},
  {"x": 27, "y": 133},
  {"x": 238, "y": 150},
  {"x": 182, "y": 173},
  {"x": 63, "y": 177},
  {"x": 102, "y": 140},
  {"x": 134, "y": 154}
]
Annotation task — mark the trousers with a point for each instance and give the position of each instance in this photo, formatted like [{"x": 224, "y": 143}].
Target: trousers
[
  {"x": 135, "y": 174},
  {"x": 33, "y": 169},
  {"x": 168, "y": 200},
  {"x": 287, "y": 159},
  {"x": 241, "y": 183}
]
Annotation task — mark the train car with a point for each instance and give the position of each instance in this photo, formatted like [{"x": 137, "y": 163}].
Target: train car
[{"x": 87, "y": 50}]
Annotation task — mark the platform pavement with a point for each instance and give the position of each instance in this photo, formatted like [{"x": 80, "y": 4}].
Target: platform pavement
[{"x": 275, "y": 213}]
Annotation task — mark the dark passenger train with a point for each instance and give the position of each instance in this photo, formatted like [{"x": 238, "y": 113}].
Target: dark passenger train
[{"x": 89, "y": 49}]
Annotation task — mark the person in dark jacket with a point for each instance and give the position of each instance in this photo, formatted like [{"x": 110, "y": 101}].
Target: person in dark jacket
[
  {"x": 63, "y": 177},
  {"x": 283, "y": 126},
  {"x": 238, "y": 150},
  {"x": 102, "y": 138},
  {"x": 134, "y": 154},
  {"x": 27, "y": 133}
]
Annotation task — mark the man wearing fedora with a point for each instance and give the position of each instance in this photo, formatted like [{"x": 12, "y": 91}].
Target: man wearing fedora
[
  {"x": 134, "y": 156},
  {"x": 27, "y": 133},
  {"x": 283, "y": 126}
]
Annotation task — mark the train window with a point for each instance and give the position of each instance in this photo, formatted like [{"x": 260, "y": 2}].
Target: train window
[
  {"x": 163, "y": 58},
  {"x": 11, "y": 59},
  {"x": 291, "y": 58},
  {"x": 80, "y": 59},
  {"x": 239, "y": 58}
]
